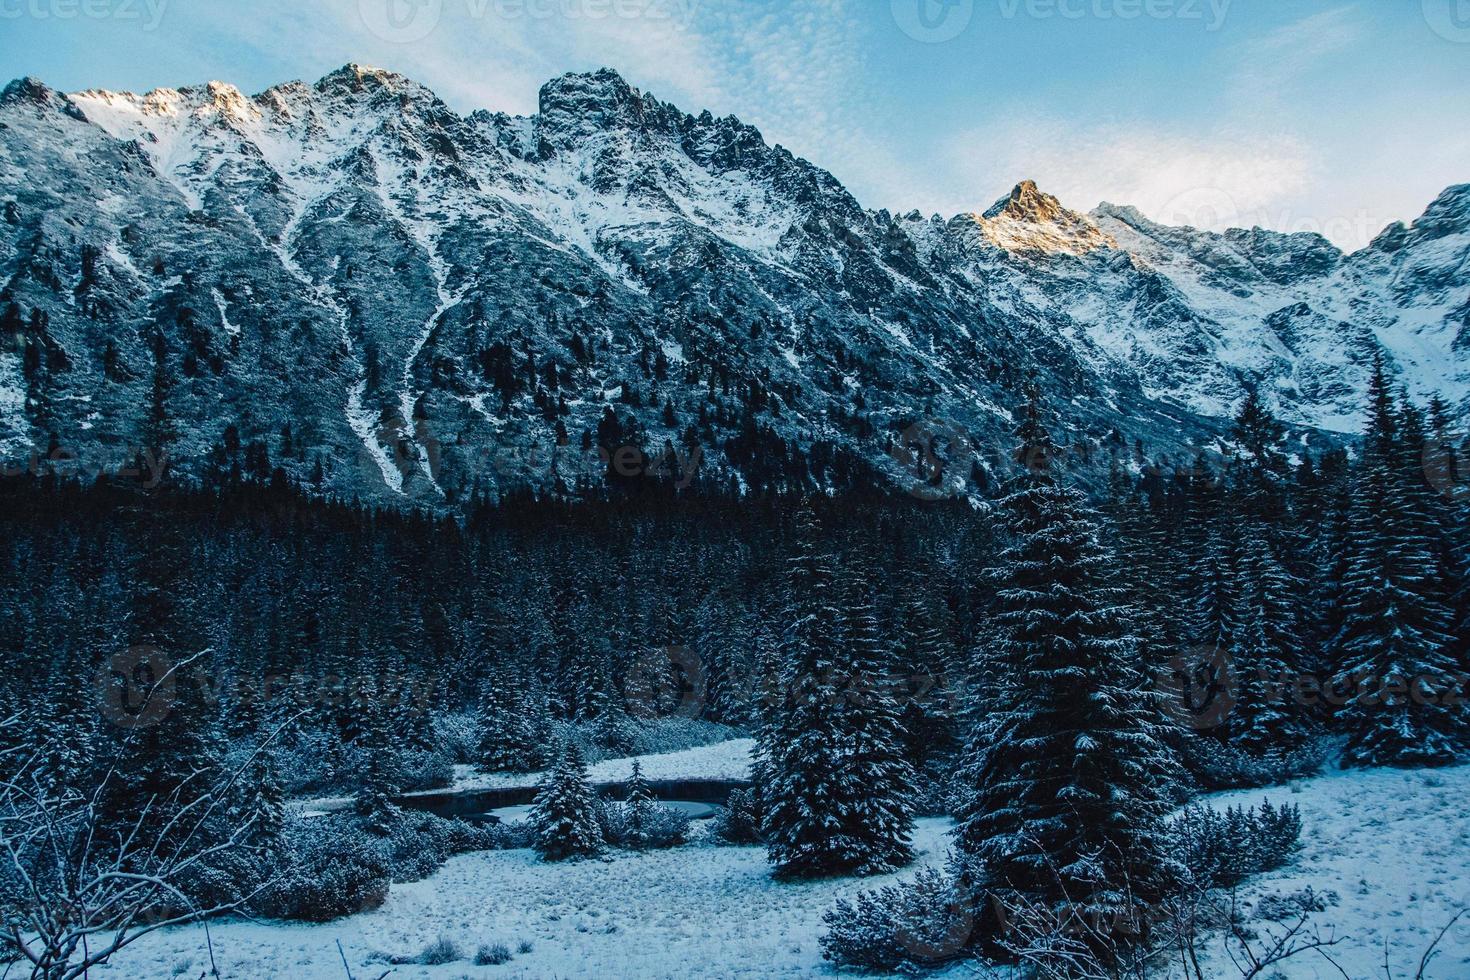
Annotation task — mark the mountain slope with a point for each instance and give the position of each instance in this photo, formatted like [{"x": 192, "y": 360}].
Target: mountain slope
[{"x": 405, "y": 304}]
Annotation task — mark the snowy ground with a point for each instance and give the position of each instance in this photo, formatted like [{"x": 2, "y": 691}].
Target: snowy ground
[
  {"x": 1395, "y": 847},
  {"x": 697, "y": 911}
]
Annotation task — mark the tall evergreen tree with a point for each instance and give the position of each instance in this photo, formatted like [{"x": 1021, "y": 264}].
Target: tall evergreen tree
[
  {"x": 639, "y": 807},
  {"x": 638, "y": 788},
  {"x": 510, "y": 738},
  {"x": 1065, "y": 775},
  {"x": 378, "y": 778},
  {"x": 820, "y": 815},
  {"x": 806, "y": 796},
  {"x": 164, "y": 747},
  {"x": 1260, "y": 473},
  {"x": 564, "y": 814},
  {"x": 931, "y": 683},
  {"x": 882, "y": 826},
  {"x": 1266, "y": 655},
  {"x": 1393, "y": 654}
]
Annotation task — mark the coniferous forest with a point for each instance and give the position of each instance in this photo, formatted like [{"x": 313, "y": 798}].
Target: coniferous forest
[{"x": 1059, "y": 666}]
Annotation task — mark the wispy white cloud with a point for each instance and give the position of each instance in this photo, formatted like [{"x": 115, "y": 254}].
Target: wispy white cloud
[
  {"x": 801, "y": 71},
  {"x": 1214, "y": 179},
  {"x": 1269, "y": 65}
]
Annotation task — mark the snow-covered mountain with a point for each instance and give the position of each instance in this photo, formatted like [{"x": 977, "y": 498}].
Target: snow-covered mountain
[{"x": 414, "y": 304}]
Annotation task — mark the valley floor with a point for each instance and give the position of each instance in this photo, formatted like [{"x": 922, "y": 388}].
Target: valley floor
[{"x": 1394, "y": 847}]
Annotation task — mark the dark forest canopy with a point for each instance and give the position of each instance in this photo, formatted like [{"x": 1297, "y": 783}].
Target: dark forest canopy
[{"x": 1249, "y": 560}]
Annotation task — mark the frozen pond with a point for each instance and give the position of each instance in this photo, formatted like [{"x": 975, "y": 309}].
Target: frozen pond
[{"x": 690, "y": 809}]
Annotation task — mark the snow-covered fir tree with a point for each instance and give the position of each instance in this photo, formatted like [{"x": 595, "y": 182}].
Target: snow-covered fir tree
[
  {"x": 162, "y": 755},
  {"x": 1066, "y": 772},
  {"x": 822, "y": 814},
  {"x": 806, "y": 795},
  {"x": 564, "y": 814},
  {"x": 1393, "y": 655},
  {"x": 259, "y": 803},
  {"x": 639, "y": 792},
  {"x": 883, "y": 828},
  {"x": 510, "y": 738},
  {"x": 931, "y": 683},
  {"x": 378, "y": 777},
  {"x": 64, "y": 738},
  {"x": 612, "y": 727},
  {"x": 1260, "y": 473},
  {"x": 1146, "y": 565},
  {"x": 1266, "y": 656},
  {"x": 640, "y": 806}
]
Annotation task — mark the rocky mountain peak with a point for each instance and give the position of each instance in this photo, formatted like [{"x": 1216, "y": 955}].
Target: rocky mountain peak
[
  {"x": 1030, "y": 220},
  {"x": 576, "y": 104},
  {"x": 1026, "y": 202},
  {"x": 1448, "y": 215},
  {"x": 229, "y": 101},
  {"x": 376, "y": 85},
  {"x": 26, "y": 90}
]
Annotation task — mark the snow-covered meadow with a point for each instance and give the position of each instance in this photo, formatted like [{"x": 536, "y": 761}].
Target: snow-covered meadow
[{"x": 1393, "y": 846}]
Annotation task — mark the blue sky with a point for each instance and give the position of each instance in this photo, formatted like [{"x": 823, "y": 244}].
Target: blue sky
[{"x": 1292, "y": 114}]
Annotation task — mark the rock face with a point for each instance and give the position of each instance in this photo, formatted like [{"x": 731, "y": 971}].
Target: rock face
[{"x": 407, "y": 305}]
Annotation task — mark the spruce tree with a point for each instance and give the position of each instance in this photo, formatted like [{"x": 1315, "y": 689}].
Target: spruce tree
[
  {"x": 807, "y": 799},
  {"x": 639, "y": 807},
  {"x": 837, "y": 790},
  {"x": 1066, "y": 772},
  {"x": 928, "y": 655},
  {"x": 258, "y": 802},
  {"x": 378, "y": 777},
  {"x": 65, "y": 736},
  {"x": 1260, "y": 474},
  {"x": 1266, "y": 656},
  {"x": 883, "y": 824},
  {"x": 564, "y": 814},
  {"x": 510, "y": 740},
  {"x": 165, "y": 747},
  {"x": 638, "y": 788},
  {"x": 1393, "y": 658}
]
